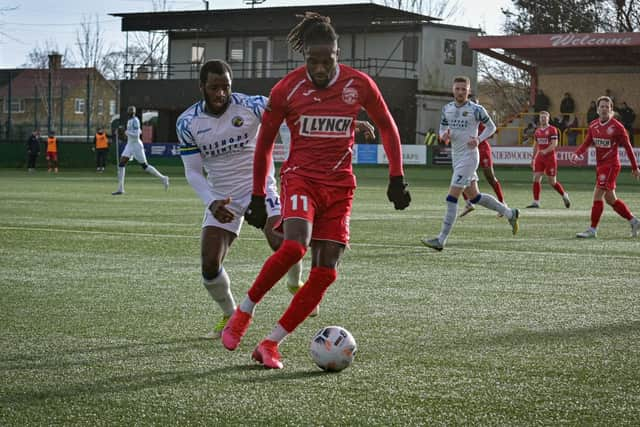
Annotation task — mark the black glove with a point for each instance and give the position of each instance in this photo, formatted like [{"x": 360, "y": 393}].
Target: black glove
[
  {"x": 397, "y": 192},
  {"x": 256, "y": 213}
]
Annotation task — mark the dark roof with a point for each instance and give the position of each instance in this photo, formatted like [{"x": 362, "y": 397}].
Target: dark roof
[
  {"x": 345, "y": 18},
  {"x": 24, "y": 80},
  {"x": 573, "y": 49}
]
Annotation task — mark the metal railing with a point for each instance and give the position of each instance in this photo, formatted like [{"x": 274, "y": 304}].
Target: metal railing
[{"x": 381, "y": 67}]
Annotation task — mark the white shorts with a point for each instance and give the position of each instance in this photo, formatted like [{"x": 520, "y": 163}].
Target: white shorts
[
  {"x": 238, "y": 206},
  {"x": 464, "y": 171},
  {"x": 135, "y": 150}
]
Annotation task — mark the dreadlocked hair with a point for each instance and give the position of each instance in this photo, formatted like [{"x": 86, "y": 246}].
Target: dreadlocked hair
[{"x": 313, "y": 29}]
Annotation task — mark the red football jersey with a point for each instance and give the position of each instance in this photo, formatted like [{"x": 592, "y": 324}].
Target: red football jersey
[
  {"x": 322, "y": 123},
  {"x": 607, "y": 137},
  {"x": 545, "y": 136}
]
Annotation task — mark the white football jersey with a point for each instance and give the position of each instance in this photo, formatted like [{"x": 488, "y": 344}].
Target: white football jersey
[
  {"x": 226, "y": 143},
  {"x": 462, "y": 122},
  {"x": 133, "y": 131}
]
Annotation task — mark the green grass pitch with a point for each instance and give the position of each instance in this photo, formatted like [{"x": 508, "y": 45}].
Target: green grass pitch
[{"x": 101, "y": 309}]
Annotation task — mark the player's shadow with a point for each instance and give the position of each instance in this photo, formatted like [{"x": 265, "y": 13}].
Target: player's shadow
[{"x": 278, "y": 374}]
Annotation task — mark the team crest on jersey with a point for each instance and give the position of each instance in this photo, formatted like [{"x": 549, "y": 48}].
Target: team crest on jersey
[
  {"x": 349, "y": 95},
  {"x": 602, "y": 177},
  {"x": 610, "y": 130},
  {"x": 325, "y": 126},
  {"x": 237, "y": 121},
  {"x": 465, "y": 113}
]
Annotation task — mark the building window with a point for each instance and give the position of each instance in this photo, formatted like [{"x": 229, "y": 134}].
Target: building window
[
  {"x": 100, "y": 107},
  {"x": 450, "y": 51},
  {"x": 410, "y": 48},
  {"x": 197, "y": 53},
  {"x": 466, "y": 55},
  {"x": 236, "y": 50},
  {"x": 17, "y": 106},
  {"x": 280, "y": 50},
  {"x": 79, "y": 105},
  {"x": 112, "y": 107}
]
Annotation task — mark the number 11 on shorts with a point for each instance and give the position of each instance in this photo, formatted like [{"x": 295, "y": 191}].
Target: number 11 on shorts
[{"x": 294, "y": 202}]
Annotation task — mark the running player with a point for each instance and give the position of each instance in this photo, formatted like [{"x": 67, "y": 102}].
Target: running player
[
  {"x": 218, "y": 134},
  {"x": 544, "y": 162},
  {"x": 607, "y": 135},
  {"x": 135, "y": 149},
  {"x": 459, "y": 126},
  {"x": 319, "y": 102}
]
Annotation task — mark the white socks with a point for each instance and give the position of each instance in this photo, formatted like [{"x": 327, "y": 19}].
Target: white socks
[
  {"x": 220, "y": 290},
  {"x": 121, "y": 170},
  {"x": 153, "y": 171}
]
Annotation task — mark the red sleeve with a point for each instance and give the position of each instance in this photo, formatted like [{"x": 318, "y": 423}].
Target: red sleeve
[
  {"x": 626, "y": 143},
  {"x": 585, "y": 144},
  {"x": 263, "y": 156},
  {"x": 379, "y": 113}
]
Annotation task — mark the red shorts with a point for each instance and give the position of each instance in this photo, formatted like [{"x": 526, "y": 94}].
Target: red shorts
[
  {"x": 486, "y": 159},
  {"x": 547, "y": 164},
  {"x": 606, "y": 176},
  {"x": 52, "y": 155},
  {"x": 327, "y": 208}
]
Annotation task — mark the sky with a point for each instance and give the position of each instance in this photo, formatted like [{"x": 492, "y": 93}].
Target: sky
[{"x": 29, "y": 24}]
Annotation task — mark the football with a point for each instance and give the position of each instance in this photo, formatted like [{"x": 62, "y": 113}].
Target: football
[{"x": 333, "y": 348}]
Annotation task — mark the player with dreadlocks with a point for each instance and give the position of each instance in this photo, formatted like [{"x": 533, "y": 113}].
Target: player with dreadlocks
[{"x": 319, "y": 102}]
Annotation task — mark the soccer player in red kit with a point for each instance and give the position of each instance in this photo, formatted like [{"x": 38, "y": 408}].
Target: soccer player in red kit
[
  {"x": 320, "y": 102},
  {"x": 607, "y": 134},
  {"x": 544, "y": 161}
]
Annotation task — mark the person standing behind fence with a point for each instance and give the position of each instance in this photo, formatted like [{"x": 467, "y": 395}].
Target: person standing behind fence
[
  {"x": 101, "y": 144},
  {"x": 135, "y": 149},
  {"x": 33, "y": 150},
  {"x": 52, "y": 152}
]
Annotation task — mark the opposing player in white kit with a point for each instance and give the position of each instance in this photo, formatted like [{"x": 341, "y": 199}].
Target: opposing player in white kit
[
  {"x": 134, "y": 149},
  {"x": 218, "y": 133},
  {"x": 459, "y": 125}
]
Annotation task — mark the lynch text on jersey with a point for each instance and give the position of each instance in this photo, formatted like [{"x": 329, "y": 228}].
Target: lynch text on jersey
[{"x": 325, "y": 126}]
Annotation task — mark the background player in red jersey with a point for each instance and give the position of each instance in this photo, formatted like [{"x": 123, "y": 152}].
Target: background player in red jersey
[
  {"x": 607, "y": 134},
  {"x": 319, "y": 102},
  {"x": 486, "y": 164},
  {"x": 545, "y": 141}
]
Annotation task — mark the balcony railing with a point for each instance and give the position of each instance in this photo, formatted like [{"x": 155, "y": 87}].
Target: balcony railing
[{"x": 375, "y": 67}]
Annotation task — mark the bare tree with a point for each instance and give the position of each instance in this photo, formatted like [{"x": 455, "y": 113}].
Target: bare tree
[
  {"x": 90, "y": 43},
  {"x": 148, "y": 51},
  {"x": 38, "y": 57},
  {"x": 442, "y": 9},
  {"x": 507, "y": 87}
]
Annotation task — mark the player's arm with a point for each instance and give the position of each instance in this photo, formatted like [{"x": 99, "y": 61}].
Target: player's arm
[
  {"x": 444, "y": 133},
  {"x": 626, "y": 143},
  {"x": 379, "y": 112},
  {"x": 274, "y": 113},
  {"x": 489, "y": 125},
  {"x": 588, "y": 140}
]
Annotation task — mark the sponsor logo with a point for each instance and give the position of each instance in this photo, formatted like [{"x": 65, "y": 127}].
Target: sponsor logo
[
  {"x": 588, "y": 40},
  {"x": 201, "y": 131},
  {"x": 308, "y": 92},
  {"x": 237, "y": 121},
  {"x": 602, "y": 142},
  {"x": 349, "y": 95},
  {"x": 325, "y": 126}
]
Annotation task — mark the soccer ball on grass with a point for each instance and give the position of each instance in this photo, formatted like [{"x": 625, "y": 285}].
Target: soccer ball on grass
[{"x": 333, "y": 348}]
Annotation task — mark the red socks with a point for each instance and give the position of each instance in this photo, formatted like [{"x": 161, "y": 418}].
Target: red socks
[
  {"x": 536, "y": 190},
  {"x": 596, "y": 212},
  {"x": 622, "y": 209},
  {"x": 497, "y": 188},
  {"x": 308, "y": 297},
  {"x": 559, "y": 188},
  {"x": 275, "y": 267}
]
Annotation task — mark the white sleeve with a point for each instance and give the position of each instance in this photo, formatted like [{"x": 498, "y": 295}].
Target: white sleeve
[
  {"x": 133, "y": 128},
  {"x": 195, "y": 178}
]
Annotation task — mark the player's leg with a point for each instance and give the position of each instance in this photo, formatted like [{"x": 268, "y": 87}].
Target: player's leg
[
  {"x": 490, "y": 176},
  {"x": 49, "y": 163},
  {"x": 325, "y": 258},
  {"x": 623, "y": 210},
  {"x": 553, "y": 182},
  {"x": 536, "y": 188},
  {"x": 122, "y": 164},
  {"x": 141, "y": 158},
  {"x": 214, "y": 245},
  {"x": 468, "y": 206},
  {"x": 596, "y": 213},
  {"x": 490, "y": 202}
]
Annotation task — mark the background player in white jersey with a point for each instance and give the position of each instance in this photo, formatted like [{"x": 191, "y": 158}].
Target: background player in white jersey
[
  {"x": 459, "y": 126},
  {"x": 218, "y": 133},
  {"x": 135, "y": 149}
]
